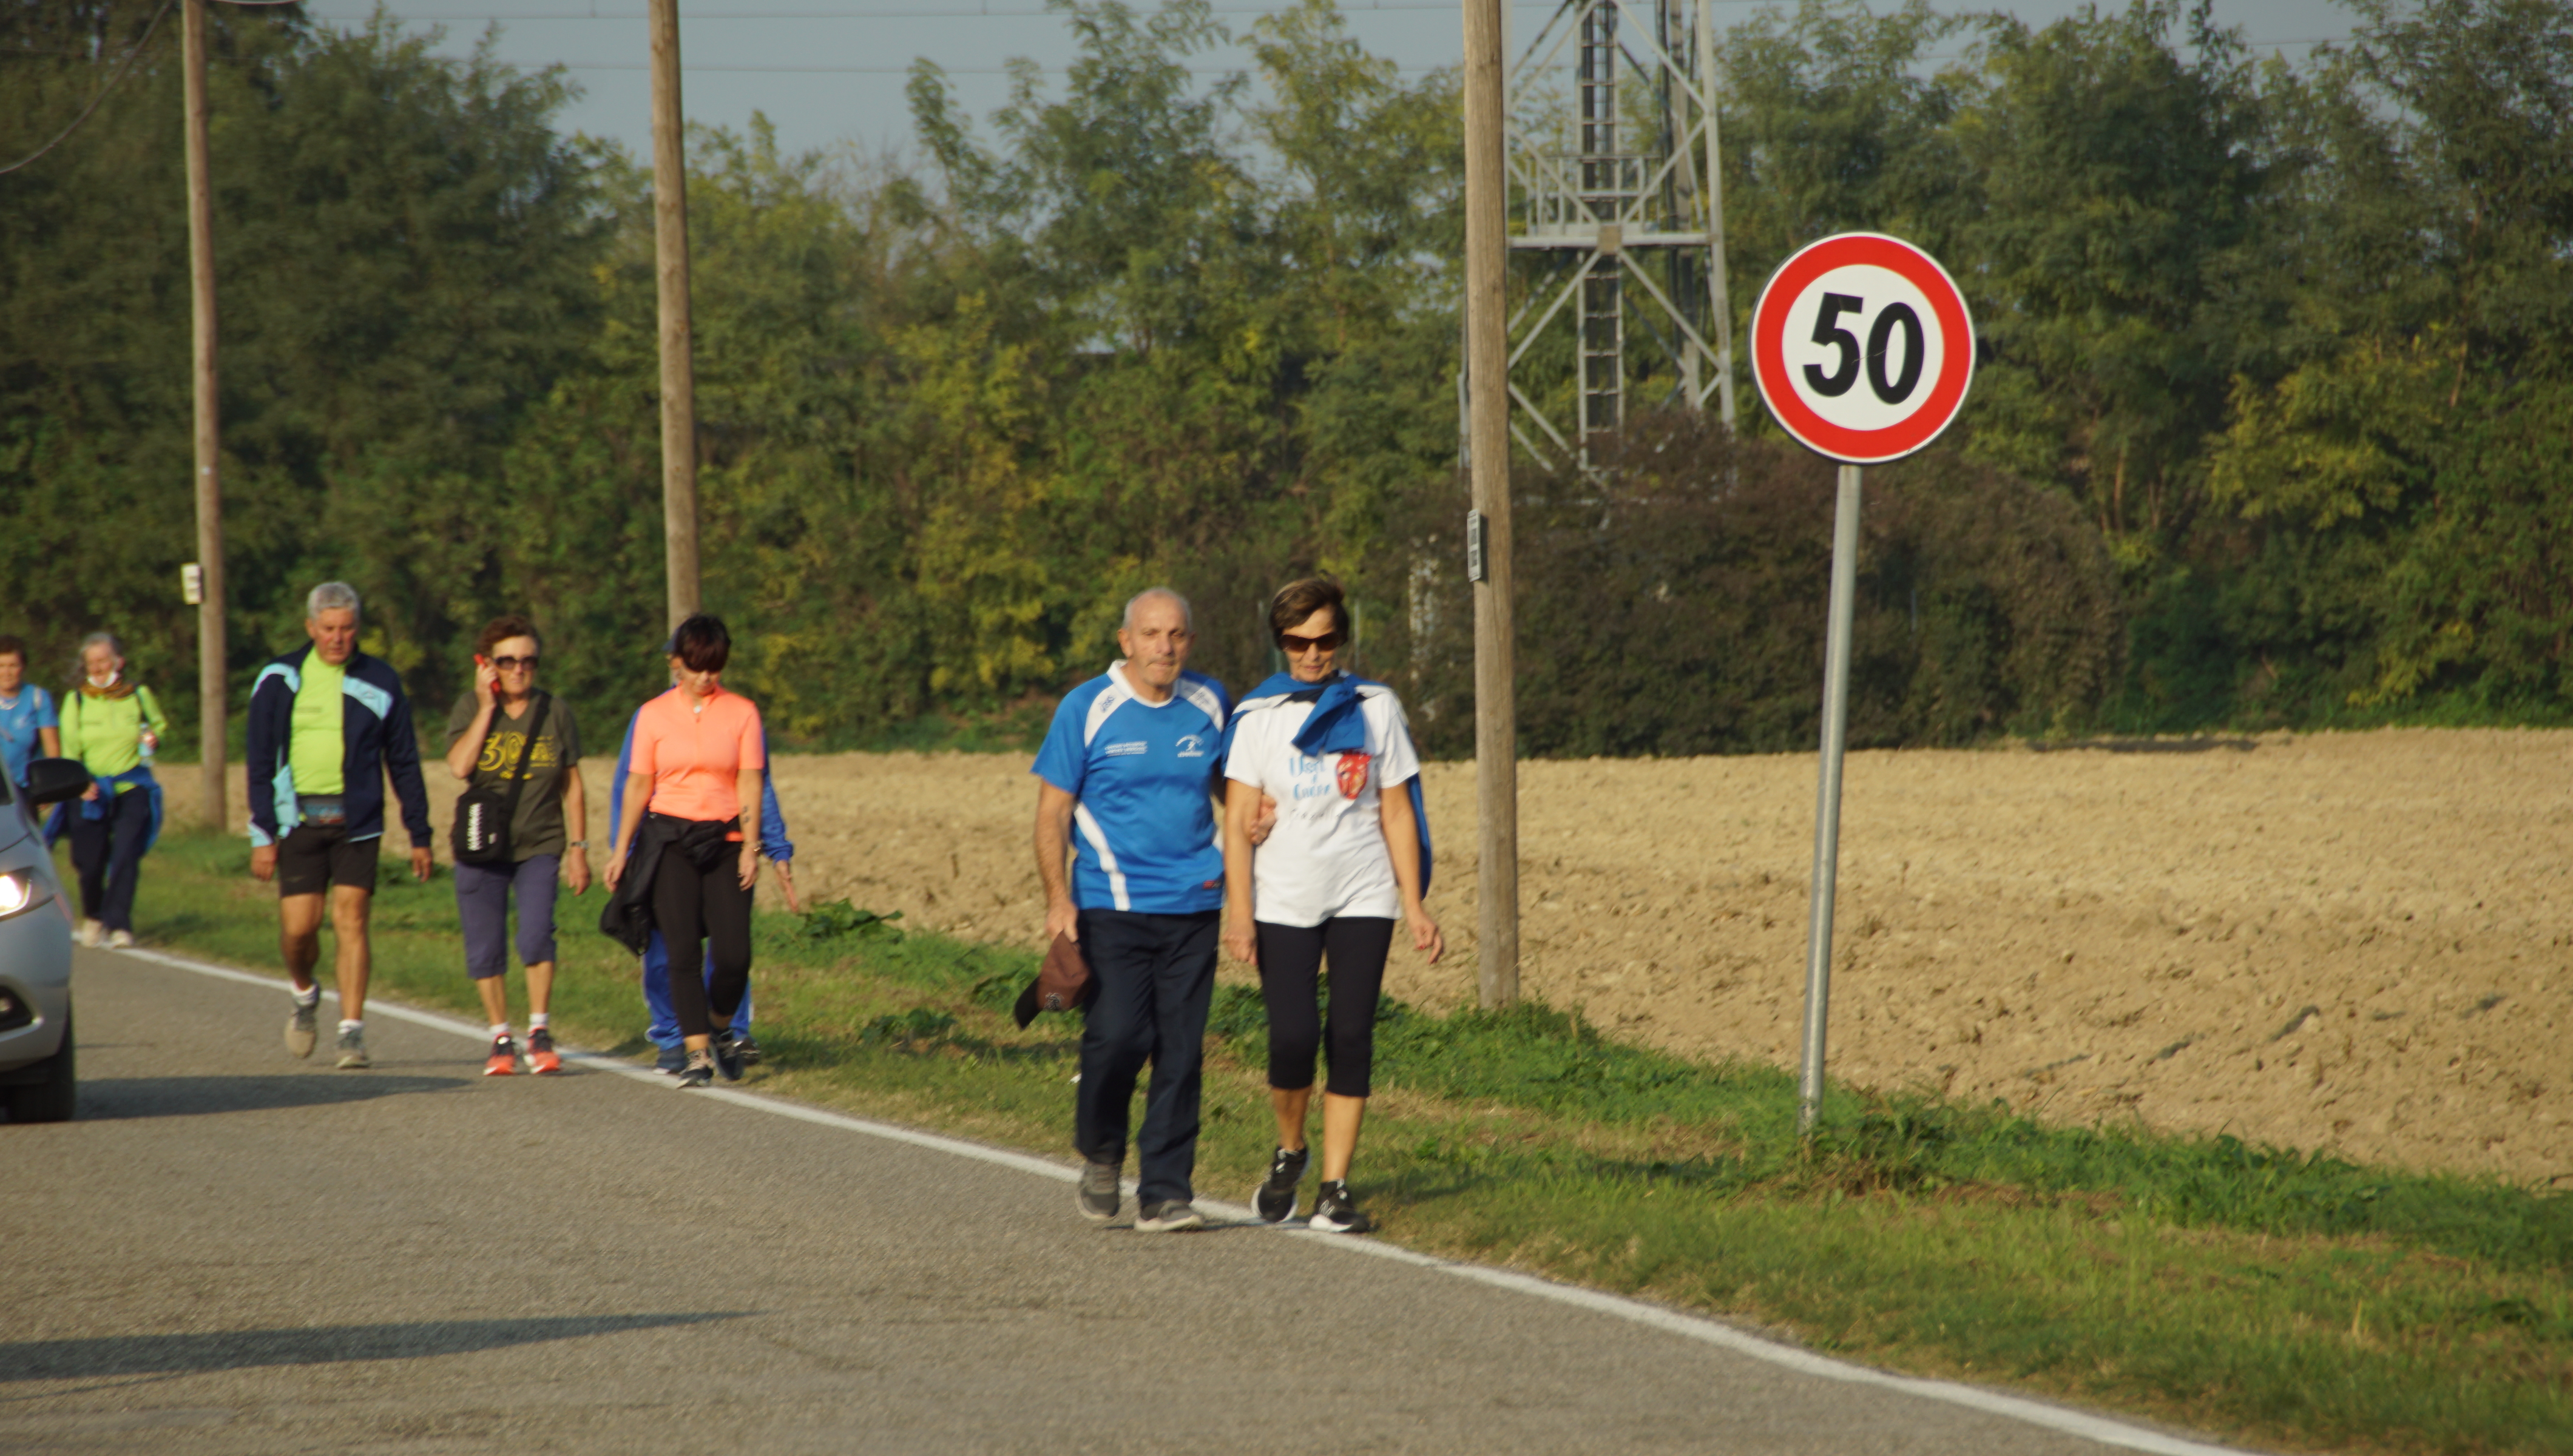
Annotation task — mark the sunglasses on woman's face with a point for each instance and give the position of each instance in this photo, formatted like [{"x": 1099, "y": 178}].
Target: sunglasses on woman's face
[
  {"x": 1296, "y": 646},
  {"x": 515, "y": 664}
]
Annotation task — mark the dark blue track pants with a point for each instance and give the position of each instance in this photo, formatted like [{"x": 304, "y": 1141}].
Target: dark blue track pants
[
  {"x": 1154, "y": 974},
  {"x": 108, "y": 853}
]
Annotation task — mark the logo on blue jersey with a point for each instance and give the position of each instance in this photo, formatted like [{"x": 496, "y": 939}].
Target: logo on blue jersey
[
  {"x": 1193, "y": 747},
  {"x": 1121, "y": 750}
]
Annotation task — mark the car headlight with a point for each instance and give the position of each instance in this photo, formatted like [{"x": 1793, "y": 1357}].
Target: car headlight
[{"x": 18, "y": 891}]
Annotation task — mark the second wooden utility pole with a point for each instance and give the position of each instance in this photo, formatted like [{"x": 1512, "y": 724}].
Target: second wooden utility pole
[
  {"x": 213, "y": 713},
  {"x": 678, "y": 366},
  {"x": 1487, "y": 376}
]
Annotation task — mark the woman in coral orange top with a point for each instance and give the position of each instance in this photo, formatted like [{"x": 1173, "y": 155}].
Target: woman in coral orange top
[{"x": 691, "y": 824}]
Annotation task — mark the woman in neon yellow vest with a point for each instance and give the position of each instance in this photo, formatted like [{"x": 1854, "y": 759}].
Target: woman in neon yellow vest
[{"x": 114, "y": 726}]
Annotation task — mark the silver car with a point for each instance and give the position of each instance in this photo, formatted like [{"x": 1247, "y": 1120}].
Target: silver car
[{"x": 36, "y": 1078}]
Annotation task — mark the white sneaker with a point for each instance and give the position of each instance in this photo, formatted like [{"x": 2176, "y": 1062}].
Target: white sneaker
[
  {"x": 120, "y": 939},
  {"x": 89, "y": 932}
]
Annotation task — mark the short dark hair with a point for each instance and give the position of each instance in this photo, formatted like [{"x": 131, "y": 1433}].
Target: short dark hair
[
  {"x": 14, "y": 644},
  {"x": 1298, "y": 600},
  {"x": 703, "y": 643},
  {"x": 503, "y": 627}
]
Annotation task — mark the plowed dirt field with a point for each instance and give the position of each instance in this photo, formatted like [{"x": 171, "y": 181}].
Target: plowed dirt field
[{"x": 2357, "y": 941}]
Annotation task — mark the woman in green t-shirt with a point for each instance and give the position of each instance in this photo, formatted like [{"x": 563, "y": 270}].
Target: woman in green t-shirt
[{"x": 114, "y": 726}]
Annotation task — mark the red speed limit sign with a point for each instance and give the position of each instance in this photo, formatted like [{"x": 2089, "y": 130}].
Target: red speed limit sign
[
  {"x": 1863, "y": 351},
  {"x": 1861, "y": 347}
]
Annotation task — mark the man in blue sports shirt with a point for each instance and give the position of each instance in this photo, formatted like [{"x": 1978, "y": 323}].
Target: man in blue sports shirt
[{"x": 1128, "y": 772}]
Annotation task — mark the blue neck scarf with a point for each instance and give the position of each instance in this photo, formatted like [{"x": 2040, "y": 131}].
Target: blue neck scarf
[{"x": 1336, "y": 726}]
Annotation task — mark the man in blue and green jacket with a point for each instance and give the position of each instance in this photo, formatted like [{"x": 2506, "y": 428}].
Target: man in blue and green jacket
[{"x": 327, "y": 724}]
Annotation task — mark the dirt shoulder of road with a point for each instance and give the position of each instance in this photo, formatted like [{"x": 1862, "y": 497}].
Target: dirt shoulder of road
[{"x": 2353, "y": 941}]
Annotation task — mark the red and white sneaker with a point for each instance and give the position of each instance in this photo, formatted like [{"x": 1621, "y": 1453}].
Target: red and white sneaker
[
  {"x": 543, "y": 1059},
  {"x": 503, "y": 1060}
]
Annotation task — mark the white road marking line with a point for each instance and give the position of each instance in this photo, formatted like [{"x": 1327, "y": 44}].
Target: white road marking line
[{"x": 2101, "y": 1429}]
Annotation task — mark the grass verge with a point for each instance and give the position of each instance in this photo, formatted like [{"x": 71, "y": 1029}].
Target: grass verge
[{"x": 2267, "y": 1296}]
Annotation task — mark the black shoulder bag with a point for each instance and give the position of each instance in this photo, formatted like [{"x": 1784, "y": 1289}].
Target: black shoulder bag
[{"x": 482, "y": 815}]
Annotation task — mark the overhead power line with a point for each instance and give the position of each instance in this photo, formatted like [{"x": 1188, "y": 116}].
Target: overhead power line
[
  {"x": 953, "y": 13},
  {"x": 694, "y": 67},
  {"x": 122, "y": 66},
  {"x": 767, "y": 69}
]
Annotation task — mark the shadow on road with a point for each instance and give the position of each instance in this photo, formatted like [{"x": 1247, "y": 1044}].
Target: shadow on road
[
  {"x": 252, "y": 1348},
  {"x": 117, "y": 1098}
]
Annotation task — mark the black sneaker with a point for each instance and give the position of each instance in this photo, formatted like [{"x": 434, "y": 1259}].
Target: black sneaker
[
  {"x": 727, "y": 1055},
  {"x": 747, "y": 1049},
  {"x": 1100, "y": 1197},
  {"x": 700, "y": 1071},
  {"x": 671, "y": 1060},
  {"x": 1168, "y": 1215},
  {"x": 1275, "y": 1199},
  {"x": 1335, "y": 1213}
]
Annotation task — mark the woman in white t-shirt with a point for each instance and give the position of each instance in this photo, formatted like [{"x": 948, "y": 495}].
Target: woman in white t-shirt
[{"x": 1344, "y": 859}]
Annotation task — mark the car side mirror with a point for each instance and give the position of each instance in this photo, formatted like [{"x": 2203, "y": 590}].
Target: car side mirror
[{"x": 52, "y": 780}]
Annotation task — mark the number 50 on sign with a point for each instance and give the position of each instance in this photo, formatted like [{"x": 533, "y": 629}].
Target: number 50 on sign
[{"x": 1861, "y": 347}]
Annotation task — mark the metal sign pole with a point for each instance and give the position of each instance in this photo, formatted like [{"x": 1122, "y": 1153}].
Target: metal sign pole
[{"x": 1827, "y": 804}]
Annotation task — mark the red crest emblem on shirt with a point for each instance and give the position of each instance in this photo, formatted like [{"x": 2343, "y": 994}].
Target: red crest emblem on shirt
[{"x": 1352, "y": 775}]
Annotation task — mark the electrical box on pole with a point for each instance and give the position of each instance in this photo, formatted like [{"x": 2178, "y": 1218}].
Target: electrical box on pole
[
  {"x": 206, "y": 479},
  {"x": 1497, "y": 783}
]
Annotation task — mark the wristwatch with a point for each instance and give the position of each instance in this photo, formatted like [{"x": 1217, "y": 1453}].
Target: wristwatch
[{"x": 577, "y": 844}]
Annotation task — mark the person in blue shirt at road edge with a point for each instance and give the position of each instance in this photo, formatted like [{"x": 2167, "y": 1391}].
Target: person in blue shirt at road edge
[{"x": 1129, "y": 773}]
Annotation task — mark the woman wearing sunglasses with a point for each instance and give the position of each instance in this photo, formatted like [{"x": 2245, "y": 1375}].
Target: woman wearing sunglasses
[
  {"x": 525, "y": 820},
  {"x": 1349, "y": 855}
]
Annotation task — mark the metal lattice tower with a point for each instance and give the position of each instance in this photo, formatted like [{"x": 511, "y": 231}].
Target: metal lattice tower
[{"x": 1629, "y": 221}]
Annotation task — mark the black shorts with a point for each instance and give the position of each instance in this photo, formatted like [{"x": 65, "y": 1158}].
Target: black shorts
[{"x": 314, "y": 856}]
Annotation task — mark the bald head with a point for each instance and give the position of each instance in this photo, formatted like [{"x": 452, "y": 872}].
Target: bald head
[
  {"x": 1154, "y": 639},
  {"x": 1188, "y": 618}
]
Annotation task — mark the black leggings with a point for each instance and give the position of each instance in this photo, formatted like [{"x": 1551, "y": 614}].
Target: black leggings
[
  {"x": 1290, "y": 962},
  {"x": 691, "y": 905}
]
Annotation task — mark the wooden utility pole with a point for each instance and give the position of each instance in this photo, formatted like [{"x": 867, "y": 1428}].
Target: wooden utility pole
[
  {"x": 1487, "y": 376},
  {"x": 213, "y": 714},
  {"x": 678, "y": 367}
]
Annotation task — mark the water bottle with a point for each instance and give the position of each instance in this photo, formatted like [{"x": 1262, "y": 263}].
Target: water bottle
[{"x": 150, "y": 741}]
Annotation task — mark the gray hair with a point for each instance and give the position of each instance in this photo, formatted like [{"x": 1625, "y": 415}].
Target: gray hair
[
  {"x": 1188, "y": 618},
  {"x": 330, "y": 597},
  {"x": 107, "y": 640}
]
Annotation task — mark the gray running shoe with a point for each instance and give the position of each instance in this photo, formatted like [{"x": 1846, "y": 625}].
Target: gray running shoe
[
  {"x": 1099, "y": 1197},
  {"x": 1275, "y": 1199},
  {"x": 699, "y": 1072},
  {"x": 727, "y": 1055},
  {"x": 353, "y": 1052},
  {"x": 303, "y": 1028},
  {"x": 1168, "y": 1215}
]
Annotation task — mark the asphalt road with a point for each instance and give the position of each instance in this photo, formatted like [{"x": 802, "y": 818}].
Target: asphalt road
[{"x": 232, "y": 1251}]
